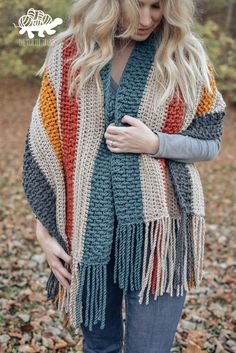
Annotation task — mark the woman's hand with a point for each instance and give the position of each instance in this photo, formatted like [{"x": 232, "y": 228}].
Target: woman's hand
[
  {"x": 137, "y": 138},
  {"x": 54, "y": 252}
]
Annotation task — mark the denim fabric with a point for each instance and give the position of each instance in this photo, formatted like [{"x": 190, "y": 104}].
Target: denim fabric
[
  {"x": 151, "y": 328},
  {"x": 148, "y": 328}
]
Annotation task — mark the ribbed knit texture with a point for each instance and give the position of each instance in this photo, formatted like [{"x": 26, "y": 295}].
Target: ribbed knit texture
[{"x": 76, "y": 186}]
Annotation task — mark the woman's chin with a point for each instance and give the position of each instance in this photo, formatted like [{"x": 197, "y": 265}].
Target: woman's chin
[{"x": 141, "y": 36}]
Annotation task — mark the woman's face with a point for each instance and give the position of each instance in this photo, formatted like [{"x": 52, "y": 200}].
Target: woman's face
[{"x": 150, "y": 18}]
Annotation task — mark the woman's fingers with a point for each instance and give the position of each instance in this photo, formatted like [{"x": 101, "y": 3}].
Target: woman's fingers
[
  {"x": 61, "y": 279},
  {"x": 64, "y": 272},
  {"x": 54, "y": 254},
  {"x": 56, "y": 265},
  {"x": 60, "y": 252},
  {"x": 64, "y": 256}
]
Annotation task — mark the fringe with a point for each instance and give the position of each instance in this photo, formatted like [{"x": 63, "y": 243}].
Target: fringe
[
  {"x": 154, "y": 257},
  {"x": 88, "y": 287},
  {"x": 157, "y": 236},
  {"x": 88, "y": 292},
  {"x": 128, "y": 255},
  {"x": 64, "y": 295},
  {"x": 52, "y": 287},
  {"x": 199, "y": 230},
  {"x": 73, "y": 290},
  {"x": 175, "y": 261},
  {"x": 59, "y": 295}
]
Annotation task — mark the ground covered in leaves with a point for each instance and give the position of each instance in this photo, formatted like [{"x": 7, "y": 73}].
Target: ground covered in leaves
[{"x": 28, "y": 324}]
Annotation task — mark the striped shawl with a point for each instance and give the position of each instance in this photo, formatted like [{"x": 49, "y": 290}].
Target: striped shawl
[{"x": 76, "y": 186}]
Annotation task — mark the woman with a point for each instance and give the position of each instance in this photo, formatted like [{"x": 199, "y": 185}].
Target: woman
[{"x": 127, "y": 104}]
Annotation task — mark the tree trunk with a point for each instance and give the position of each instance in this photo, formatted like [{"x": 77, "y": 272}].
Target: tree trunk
[{"x": 230, "y": 15}]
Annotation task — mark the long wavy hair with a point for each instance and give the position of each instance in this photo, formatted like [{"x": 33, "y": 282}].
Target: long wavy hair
[{"x": 180, "y": 60}]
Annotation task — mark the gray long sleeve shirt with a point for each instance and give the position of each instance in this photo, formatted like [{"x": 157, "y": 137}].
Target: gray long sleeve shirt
[{"x": 182, "y": 148}]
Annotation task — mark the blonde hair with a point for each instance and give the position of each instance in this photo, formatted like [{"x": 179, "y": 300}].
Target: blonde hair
[{"x": 180, "y": 60}]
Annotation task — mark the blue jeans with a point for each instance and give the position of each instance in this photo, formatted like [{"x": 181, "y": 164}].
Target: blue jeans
[{"x": 148, "y": 329}]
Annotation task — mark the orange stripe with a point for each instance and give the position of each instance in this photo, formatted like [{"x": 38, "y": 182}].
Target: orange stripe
[
  {"x": 49, "y": 114},
  {"x": 191, "y": 280},
  {"x": 174, "y": 116},
  {"x": 207, "y": 99},
  {"x": 59, "y": 296},
  {"x": 70, "y": 122}
]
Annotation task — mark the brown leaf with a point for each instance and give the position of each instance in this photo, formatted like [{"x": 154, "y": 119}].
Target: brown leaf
[
  {"x": 26, "y": 349},
  {"x": 48, "y": 342},
  {"x": 27, "y": 327},
  {"x": 15, "y": 332},
  {"x": 192, "y": 348},
  {"x": 59, "y": 345}
]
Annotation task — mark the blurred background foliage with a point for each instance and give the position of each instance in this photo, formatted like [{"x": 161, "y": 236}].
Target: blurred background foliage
[
  {"x": 19, "y": 56},
  {"x": 215, "y": 24}
]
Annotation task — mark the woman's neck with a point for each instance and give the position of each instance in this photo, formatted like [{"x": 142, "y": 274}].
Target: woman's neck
[{"x": 122, "y": 44}]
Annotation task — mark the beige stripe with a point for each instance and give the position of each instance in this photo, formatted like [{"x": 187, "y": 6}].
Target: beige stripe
[
  {"x": 199, "y": 242},
  {"x": 153, "y": 191},
  {"x": 151, "y": 177},
  {"x": 154, "y": 120},
  {"x": 190, "y": 111},
  {"x": 55, "y": 67},
  {"x": 55, "y": 71},
  {"x": 198, "y": 202},
  {"x": 40, "y": 144},
  {"x": 219, "y": 104},
  {"x": 44, "y": 156},
  {"x": 198, "y": 230},
  {"x": 90, "y": 134}
]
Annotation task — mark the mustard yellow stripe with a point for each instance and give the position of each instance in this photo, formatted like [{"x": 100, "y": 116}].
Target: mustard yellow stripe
[
  {"x": 207, "y": 99},
  {"x": 49, "y": 114},
  {"x": 191, "y": 280}
]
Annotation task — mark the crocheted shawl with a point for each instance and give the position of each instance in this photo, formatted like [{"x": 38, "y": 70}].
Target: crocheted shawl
[{"x": 76, "y": 186}]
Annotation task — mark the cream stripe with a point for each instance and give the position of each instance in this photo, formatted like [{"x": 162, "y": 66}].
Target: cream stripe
[
  {"x": 190, "y": 111},
  {"x": 219, "y": 104},
  {"x": 55, "y": 71},
  {"x": 198, "y": 202},
  {"x": 44, "y": 156},
  {"x": 153, "y": 193},
  {"x": 198, "y": 229},
  {"x": 154, "y": 120},
  {"x": 40, "y": 145},
  {"x": 55, "y": 67},
  {"x": 90, "y": 135}
]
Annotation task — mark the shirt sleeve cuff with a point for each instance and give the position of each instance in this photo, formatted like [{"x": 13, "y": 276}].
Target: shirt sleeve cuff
[{"x": 161, "y": 149}]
